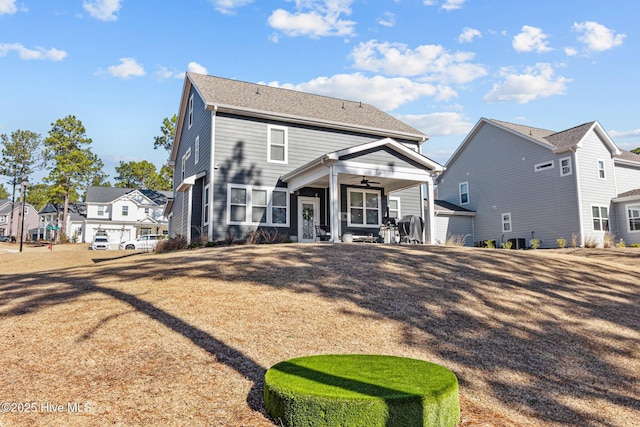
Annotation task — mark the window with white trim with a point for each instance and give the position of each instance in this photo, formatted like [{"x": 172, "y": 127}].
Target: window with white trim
[
  {"x": 125, "y": 210},
  {"x": 600, "y": 217},
  {"x": 205, "y": 205},
  {"x": 257, "y": 205},
  {"x": 196, "y": 149},
  {"x": 565, "y": 166},
  {"x": 277, "y": 144},
  {"x": 146, "y": 211},
  {"x": 601, "y": 173},
  {"x": 364, "y": 207},
  {"x": 543, "y": 166},
  {"x": 185, "y": 157},
  {"x": 634, "y": 217},
  {"x": 101, "y": 209},
  {"x": 190, "y": 111},
  {"x": 3, "y": 219},
  {"x": 394, "y": 207},
  {"x": 506, "y": 222},
  {"x": 463, "y": 189}
]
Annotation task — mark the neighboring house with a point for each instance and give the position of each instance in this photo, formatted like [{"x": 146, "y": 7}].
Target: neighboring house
[
  {"x": 521, "y": 182},
  {"x": 124, "y": 213},
  {"x": 249, "y": 156},
  {"x": 50, "y": 222},
  {"x": 9, "y": 227}
]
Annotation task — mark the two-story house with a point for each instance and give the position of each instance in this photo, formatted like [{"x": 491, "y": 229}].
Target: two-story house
[
  {"x": 516, "y": 182},
  {"x": 50, "y": 223},
  {"x": 124, "y": 213},
  {"x": 249, "y": 156},
  {"x": 11, "y": 220}
]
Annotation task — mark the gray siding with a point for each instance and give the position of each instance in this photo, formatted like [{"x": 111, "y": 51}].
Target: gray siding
[
  {"x": 450, "y": 226},
  {"x": 595, "y": 191},
  {"x": 499, "y": 168},
  {"x": 622, "y": 220},
  {"x": 627, "y": 178}
]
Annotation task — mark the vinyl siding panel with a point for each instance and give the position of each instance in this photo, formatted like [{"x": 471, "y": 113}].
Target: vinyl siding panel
[
  {"x": 627, "y": 178},
  {"x": 454, "y": 226},
  {"x": 499, "y": 167},
  {"x": 595, "y": 191},
  {"x": 623, "y": 230}
]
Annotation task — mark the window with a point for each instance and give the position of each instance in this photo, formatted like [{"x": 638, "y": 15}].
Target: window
[
  {"x": 257, "y": 205},
  {"x": 364, "y": 207},
  {"x": 145, "y": 231},
  {"x": 26, "y": 210},
  {"x": 277, "y": 144},
  {"x": 3, "y": 218},
  {"x": 565, "y": 166},
  {"x": 196, "y": 155},
  {"x": 600, "y": 216},
  {"x": 394, "y": 207},
  {"x": 185, "y": 157},
  {"x": 100, "y": 210},
  {"x": 125, "y": 210},
  {"x": 464, "y": 192},
  {"x": 506, "y": 222},
  {"x": 146, "y": 211},
  {"x": 543, "y": 166},
  {"x": 601, "y": 169},
  {"x": 205, "y": 206},
  {"x": 190, "y": 111},
  {"x": 634, "y": 217}
]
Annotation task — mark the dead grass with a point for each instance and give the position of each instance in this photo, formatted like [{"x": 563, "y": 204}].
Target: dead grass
[{"x": 537, "y": 338}]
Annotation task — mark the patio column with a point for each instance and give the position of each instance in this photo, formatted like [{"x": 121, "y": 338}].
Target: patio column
[
  {"x": 334, "y": 205},
  {"x": 431, "y": 212}
]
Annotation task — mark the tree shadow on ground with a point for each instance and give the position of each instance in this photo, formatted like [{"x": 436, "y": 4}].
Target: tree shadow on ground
[{"x": 539, "y": 335}]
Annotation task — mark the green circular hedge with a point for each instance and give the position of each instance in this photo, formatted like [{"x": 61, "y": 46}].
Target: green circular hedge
[{"x": 361, "y": 390}]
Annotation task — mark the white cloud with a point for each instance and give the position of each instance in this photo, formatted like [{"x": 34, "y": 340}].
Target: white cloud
[
  {"x": 228, "y": 7},
  {"x": 52, "y": 54},
  {"x": 439, "y": 124},
  {"x": 104, "y": 10},
  {"x": 385, "y": 93},
  {"x": 446, "y": 5},
  {"x": 314, "y": 19},
  {"x": 536, "y": 82},
  {"x": 531, "y": 39},
  {"x": 468, "y": 34},
  {"x": 625, "y": 134},
  {"x": 128, "y": 67},
  {"x": 596, "y": 36},
  {"x": 388, "y": 19},
  {"x": 194, "y": 67},
  {"x": 570, "y": 51},
  {"x": 429, "y": 62},
  {"x": 8, "y": 7}
]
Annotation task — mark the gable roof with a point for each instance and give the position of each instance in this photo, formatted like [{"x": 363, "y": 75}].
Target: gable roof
[
  {"x": 258, "y": 100},
  {"x": 558, "y": 142},
  {"x": 109, "y": 194}
]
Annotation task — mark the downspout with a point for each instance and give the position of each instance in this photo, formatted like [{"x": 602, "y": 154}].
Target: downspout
[
  {"x": 212, "y": 170},
  {"x": 431, "y": 209},
  {"x": 579, "y": 195}
]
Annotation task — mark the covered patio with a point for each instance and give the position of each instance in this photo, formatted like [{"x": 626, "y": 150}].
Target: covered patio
[{"x": 355, "y": 184}]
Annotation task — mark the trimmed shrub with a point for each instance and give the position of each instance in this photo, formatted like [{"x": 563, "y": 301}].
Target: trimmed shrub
[{"x": 361, "y": 390}]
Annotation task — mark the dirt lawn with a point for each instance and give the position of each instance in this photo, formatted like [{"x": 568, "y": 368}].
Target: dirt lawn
[{"x": 536, "y": 338}]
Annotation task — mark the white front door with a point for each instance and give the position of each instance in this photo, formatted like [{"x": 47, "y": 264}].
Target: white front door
[{"x": 308, "y": 218}]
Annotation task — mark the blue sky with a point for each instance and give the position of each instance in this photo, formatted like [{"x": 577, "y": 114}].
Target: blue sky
[{"x": 439, "y": 65}]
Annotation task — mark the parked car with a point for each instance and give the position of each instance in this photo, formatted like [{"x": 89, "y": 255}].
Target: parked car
[
  {"x": 4, "y": 238},
  {"x": 99, "y": 243},
  {"x": 146, "y": 242}
]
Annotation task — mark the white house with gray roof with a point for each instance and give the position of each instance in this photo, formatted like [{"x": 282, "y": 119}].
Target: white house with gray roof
[
  {"x": 124, "y": 213},
  {"x": 523, "y": 182},
  {"x": 248, "y": 156}
]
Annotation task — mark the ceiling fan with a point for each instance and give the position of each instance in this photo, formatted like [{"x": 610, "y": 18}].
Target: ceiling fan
[{"x": 368, "y": 182}]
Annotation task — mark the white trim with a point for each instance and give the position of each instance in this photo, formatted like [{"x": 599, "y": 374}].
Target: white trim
[
  {"x": 507, "y": 221},
  {"x": 206, "y": 200},
  {"x": 196, "y": 149},
  {"x": 190, "y": 112},
  {"x": 364, "y": 207},
  {"x": 562, "y": 172},
  {"x": 248, "y": 205},
  {"x": 316, "y": 217},
  {"x": 285, "y": 132},
  {"x": 212, "y": 169},
  {"x": 544, "y": 166},
  {"x": 600, "y": 218},
  {"x": 397, "y": 200},
  {"x": 626, "y": 209},
  {"x": 602, "y": 172},
  {"x": 460, "y": 193}
]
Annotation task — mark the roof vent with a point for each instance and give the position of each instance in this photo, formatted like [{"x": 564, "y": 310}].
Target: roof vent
[{"x": 343, "y": 105}]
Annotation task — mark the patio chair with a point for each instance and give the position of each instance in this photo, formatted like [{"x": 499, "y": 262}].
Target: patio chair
[{"x": 322, "y": 234}]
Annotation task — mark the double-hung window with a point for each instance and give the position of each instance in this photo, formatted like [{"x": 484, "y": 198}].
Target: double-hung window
[
  {"x": 565, "y": 166},
  {"x": 464, "y": 192},
  {"x": 196, "y": 149},
  {"x": 125, "y": 210},
  {"x": 190, "y": 111},
  {"x": 506, "y": 222},
  {"x": 205, "y": 206},
  {"x": 600, "y": 216},
  {"x": 277, "y": 144},
  {"x": 100, "y": 210},
  {"x": 601, "y": 172},
  {"x": 634, "y": 217},
  {"x": 394, "y": 207},
  {"x": 257, "y": 205},
  {"x": 364, "y": 207}
]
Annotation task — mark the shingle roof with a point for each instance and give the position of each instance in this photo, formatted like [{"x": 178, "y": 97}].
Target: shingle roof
[
  {"x": 291, "y": 103},
  {"x": 109, "y": 194},
  {"x": 449, "y": 206},
  {"x": 628, "y": 155},
  {"x": 562, "y": 139},
  {"x": 631, "y": 193}
]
